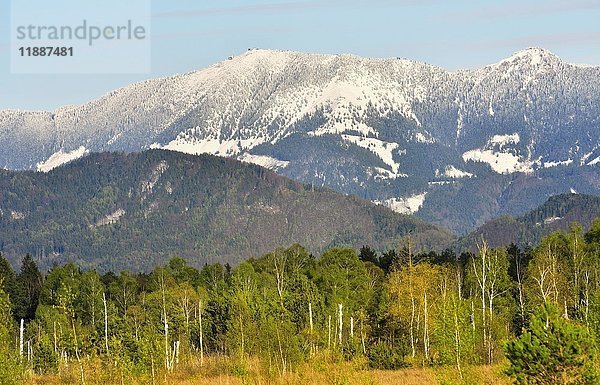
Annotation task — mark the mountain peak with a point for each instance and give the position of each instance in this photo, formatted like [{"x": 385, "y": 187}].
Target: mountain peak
[
  {"x": 532, "y": 55},
  {"x": 534, "y": 51}
]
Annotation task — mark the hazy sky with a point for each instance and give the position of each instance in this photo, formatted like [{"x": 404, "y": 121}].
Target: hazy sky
[{"x": 454, "y": 34}]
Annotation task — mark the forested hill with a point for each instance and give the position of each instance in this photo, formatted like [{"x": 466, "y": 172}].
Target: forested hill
[
  {"x": 135, "y": 211},
  {"x": 557, "y": 213}
]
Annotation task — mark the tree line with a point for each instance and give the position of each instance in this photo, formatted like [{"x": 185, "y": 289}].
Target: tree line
[{"x": 399, "y": 308}]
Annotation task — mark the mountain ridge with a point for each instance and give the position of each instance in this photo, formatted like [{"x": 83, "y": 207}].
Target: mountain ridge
[
  {"x": 383, "y": 129},
  {"x": 558, "y": 213}
]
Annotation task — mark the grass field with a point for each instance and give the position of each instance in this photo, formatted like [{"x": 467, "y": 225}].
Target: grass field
[{"x": 224, "y": 371}]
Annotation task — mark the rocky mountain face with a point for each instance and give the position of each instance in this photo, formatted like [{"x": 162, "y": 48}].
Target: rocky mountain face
[
  {"x": 136, "y": 211},
  {"x": 456, "y": 148}
]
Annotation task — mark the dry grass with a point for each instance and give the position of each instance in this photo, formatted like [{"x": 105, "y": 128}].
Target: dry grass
[
  {"x": 478, "y": 375},
  {"x": 226, "y": 371},
  {"x": 411, "y": 376}
]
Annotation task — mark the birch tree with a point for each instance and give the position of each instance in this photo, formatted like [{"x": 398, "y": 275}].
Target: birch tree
[{"x": 489, "y": 276}]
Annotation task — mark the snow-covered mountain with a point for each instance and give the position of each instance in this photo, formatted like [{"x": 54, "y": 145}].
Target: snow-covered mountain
[{"x": 396, "y": 131}]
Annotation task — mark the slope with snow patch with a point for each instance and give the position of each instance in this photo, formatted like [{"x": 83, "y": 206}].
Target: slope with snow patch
[
  {"x": 452, "y": 172},
  {"x": 501, "y": 154},
  {"x": 59, "y": 158},
  {"x": 383, "y": 150},
  {"x": 405, "y": 205},
  {"x": 264, "y": 161}
]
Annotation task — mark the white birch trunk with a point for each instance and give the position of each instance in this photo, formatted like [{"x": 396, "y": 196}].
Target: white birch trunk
[
  {"x": 310, "y": 320},
  {"x": 166, "y": 323},
  {"x": 362, "y": 336},
  {"x": 201, "y": 334},
  {"x": 22, "y": 328},
  {"x": 310, "y": 317},
  {"x": 54, "y": 333},
  {"x": 329, "y": 333},
  {"x": 341, "y": 324},
  {"x": 105, "y": 322}
]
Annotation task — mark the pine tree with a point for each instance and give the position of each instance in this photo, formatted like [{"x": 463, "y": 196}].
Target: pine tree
[
  {"x": 29, "y": 286},
  {"x": 552, "y": 351},
  {"x": 368, "y": 255}
]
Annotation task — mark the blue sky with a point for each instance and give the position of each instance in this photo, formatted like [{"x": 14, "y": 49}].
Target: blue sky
[{"x": 453, "y": 34}]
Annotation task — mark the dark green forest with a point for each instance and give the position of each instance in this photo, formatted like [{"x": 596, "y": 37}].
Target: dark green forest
[
  {"x": 527, "y": 230},
  {"x": 115, "y": 211},
  {"x": 401, "y": 308}
]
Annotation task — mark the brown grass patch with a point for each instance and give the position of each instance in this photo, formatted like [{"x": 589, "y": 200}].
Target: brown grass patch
[{"x": 321, "y": 370}]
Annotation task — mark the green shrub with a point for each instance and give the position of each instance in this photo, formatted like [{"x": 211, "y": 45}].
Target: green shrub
[
  {"x": 45, "y": 359},
  {"x": 385, "y": 356},
  {"x": 552, "y": 350}
]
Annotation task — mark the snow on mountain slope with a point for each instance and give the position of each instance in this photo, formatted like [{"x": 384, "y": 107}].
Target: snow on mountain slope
[
  {"x": 380, "y": 148},
  {"x": 501, "y": 162},
  {"x": 256, "y": 96},
  {"x": 378, "y": 128},
  {"x": 502, "y": 140},
  {"x": 264, "y": 161},
  {"x": 452, "y": 172},
  {"x": 406, "y": 205},
  {"x": 262, "y": 95},
  {"x": 60, "y": 158},
  {"x": 501, "y": 154},
  {"x": 559, "y": 163}
]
